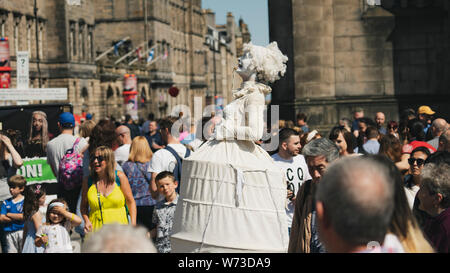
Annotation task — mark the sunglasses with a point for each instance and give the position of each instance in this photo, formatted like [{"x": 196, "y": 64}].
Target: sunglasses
[
  {"x": 99, "y": 158},
  {"x": 419, "y": 161}
]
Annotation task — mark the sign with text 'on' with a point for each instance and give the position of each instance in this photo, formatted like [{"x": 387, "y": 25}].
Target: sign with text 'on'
[
  {"x": 34, "y": 94},
  {"x": 37, "y": 170}
]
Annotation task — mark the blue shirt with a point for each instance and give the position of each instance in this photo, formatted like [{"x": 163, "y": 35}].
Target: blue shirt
[
  {"x": 372, "y": 146},
  {"x": 8, "y": 206}
]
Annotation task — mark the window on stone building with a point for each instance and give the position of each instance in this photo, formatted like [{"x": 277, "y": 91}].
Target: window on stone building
[
  {"x": 81, "y": 41},
  {"x": 16, "y": 32},
  {"x": 29, "y": 36},
  {"x": 41, "y": 27},
  {"x": 109, "y": 92},
  {"x": 90, "y": 43},
  {"x": 3, "y": 19},
  {"x": 72, "y": 40},
  {"x": 84, "y": 92}
]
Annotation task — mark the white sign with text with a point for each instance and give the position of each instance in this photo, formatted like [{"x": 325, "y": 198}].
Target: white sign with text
[
  {"x": 23, "y": 69},
  {"x": 34, "y": 94}
]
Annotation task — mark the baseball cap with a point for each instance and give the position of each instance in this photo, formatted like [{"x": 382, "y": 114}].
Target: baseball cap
[
  {"x": 88, "y": 116},
  {"x": 66, "y": 119},
  {"x": 425, "y": 110}
]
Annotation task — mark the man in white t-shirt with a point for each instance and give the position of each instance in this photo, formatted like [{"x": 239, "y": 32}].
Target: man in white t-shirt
[
  {"x": 293, "y": 165},
  {"x": 56, "y": 149},
  {"x": 163, "y": 160},
  {"x": 124, "y": 136}
]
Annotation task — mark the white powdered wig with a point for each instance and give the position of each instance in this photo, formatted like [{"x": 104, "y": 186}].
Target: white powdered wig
[{"x": 269, "y": 61}]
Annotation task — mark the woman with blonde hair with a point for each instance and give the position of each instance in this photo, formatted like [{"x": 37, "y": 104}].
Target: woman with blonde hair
[
  {"x": 107, "y": 193},
  {"x": 86, "y": 129},
  {"x": 136, "y": 171}
]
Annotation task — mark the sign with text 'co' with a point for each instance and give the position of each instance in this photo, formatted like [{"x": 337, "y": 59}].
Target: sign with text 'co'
[{"x": 37, "y": 170}]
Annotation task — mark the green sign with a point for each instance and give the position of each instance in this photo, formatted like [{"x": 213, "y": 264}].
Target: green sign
[{"x": 37, "y": 170}]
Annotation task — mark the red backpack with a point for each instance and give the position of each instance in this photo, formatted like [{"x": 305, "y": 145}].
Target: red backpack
[{"x": 70, "y": 172}]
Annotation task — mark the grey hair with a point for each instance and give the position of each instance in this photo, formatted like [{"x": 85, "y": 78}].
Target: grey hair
[
  {"x": 116, "y": 238},
  {"x": 322, "y": 147},
  {"x": 358, "y": 199},
  {"x": 435, "y": 177}
]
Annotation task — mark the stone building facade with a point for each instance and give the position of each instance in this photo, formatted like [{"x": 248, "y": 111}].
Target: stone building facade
[
  {"x": 345, "y": 54},
  {"x": 77, "y": 51}
]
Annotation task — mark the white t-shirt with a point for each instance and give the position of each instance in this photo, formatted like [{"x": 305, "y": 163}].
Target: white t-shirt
[
  {"x": 163, "y": 160},
  {"x": 411, "y": 194},
  {"x": 296, "y": 173},
  {"x": 121, "y": 154},
  {"x": 57, "y": 147}
]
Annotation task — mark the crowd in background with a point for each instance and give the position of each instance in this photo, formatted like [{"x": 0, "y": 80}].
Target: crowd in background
[{"x": 130, "y": 174}]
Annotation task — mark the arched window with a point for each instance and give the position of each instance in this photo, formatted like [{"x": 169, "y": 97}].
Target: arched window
[
  {"x": 84, "y": 92},
  {"x": 109, "y": 92}
]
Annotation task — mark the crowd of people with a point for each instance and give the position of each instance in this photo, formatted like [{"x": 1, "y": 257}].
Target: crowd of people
[{"x": 367, "y": 185}]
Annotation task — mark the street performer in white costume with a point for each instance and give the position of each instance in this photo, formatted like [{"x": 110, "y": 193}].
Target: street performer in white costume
[{"x": 232, "y": 196}]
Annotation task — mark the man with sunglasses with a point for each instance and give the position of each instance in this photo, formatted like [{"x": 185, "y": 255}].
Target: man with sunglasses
[{"x": 412, "y": 180}]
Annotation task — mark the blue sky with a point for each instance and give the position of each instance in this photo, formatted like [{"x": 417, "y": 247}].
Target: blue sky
[{"x": 253, "y": 12}]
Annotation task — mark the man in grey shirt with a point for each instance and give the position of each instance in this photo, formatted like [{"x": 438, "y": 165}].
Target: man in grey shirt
[{"x": 57, "y": 148}]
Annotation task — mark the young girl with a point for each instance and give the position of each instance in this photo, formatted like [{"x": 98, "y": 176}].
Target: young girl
[
  {"x": 54, "y": 234},
  {"x": 32, "y": 207}
]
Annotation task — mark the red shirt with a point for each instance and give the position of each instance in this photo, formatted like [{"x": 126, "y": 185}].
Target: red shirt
[{"x": 408, "y": 148}]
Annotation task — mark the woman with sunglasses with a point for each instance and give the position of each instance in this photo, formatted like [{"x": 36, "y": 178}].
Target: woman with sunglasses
[
  {"x": 412, "y": 180},
  {"x": 107, "y": 193}
]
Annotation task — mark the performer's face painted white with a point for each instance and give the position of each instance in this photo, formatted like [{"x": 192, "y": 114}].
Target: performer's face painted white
[{"x": 245, "y": 68}]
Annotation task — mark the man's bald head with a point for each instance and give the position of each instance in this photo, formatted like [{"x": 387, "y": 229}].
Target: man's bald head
[
  {"x": 380, "y": 118},
  {"x": 357, "y": 199},
  {"x": 122, "y": 129},
  {"x": 124, "y": 134},
  {"x": 439, "y": 126}
]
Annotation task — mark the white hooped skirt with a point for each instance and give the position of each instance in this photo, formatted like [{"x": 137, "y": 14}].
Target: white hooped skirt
[{"x": 232, "y": 199}]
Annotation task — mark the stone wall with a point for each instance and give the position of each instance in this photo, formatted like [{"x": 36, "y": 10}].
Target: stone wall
[{"x": 348, "y": 55}]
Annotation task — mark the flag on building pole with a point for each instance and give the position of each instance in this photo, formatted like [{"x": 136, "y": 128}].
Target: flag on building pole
[
  {"x": 117, "y": 45},
  {"x": 151, "y": 55},
  {"x": 138, "y": 53}
]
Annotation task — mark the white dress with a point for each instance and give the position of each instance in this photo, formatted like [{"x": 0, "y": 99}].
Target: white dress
[
  {"x": 232, "y": 195},
  {"x": 58, "y": 238}
]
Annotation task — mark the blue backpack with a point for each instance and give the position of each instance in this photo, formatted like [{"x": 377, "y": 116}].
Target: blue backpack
[{"x": 178, "y": 166}]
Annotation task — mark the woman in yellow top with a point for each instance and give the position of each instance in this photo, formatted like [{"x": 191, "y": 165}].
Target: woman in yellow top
[{"x": 106, "y": 193}]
